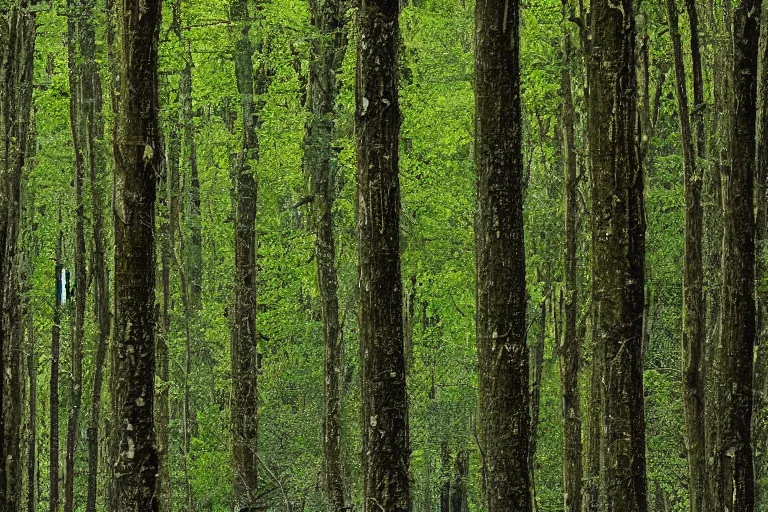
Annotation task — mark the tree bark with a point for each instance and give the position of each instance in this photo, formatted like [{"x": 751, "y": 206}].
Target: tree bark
[
  {"x": 570, "y": 349},
  {"x": 32, "y": 361},
  {"x": 17, "y": 48},
  {"x": 137, "y": 161},
  {"x": 618, "y": 248},
  {"x": 459, "y": 500},
  {"x": 760, "y": 418},
  {"x": 53, "y": 459},
  {"x": 243, "y": 334},
  {"x": 326, "y": 56},
  {"x": 693, "y": 282},
  {"x": 445, "y": 478},
  {"x": 78, "y": 120},
  {"x": 536, "y": 365},
  {"x": 386, "y": 444},
  {"x": 504, "y": 417},
  {"x": 738, "y": 266}
]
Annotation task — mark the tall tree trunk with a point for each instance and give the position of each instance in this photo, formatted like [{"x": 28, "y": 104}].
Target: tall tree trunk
[
  {"x": 78, "y": 120},
  {"x": 53, "y": 459},
  {"x": 570, "y": 349},
  {"x": 760, "y": 418},
  {"x": 693, "y": 283},
  {"x": 386, "y": 444},
  {"x": 618, "y": 248},
  {"x": 504, "y": 417},
  {"x": 738, "y": 301},
  {"x": 243, "y": 335},
  {"x": 326, "y": 56},
  {"x": 32, "y": 361},
  {"x": 162, "y": 399},
  {"x": 536, "y": 368},
  {"x": 137, "y": 161},
  {"x": 17, "y": 49},
  {"x": 96, "y": 161}
]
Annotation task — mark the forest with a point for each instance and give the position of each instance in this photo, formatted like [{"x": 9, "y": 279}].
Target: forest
[{"x": 383, "y": 255}]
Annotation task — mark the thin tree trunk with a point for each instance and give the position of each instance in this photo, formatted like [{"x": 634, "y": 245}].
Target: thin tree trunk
[
  {"x": 162, "y": 400},
  {"x": 32, "y": 361},
  {"x": 326, "y": 54},
  {"x": 78, "y": 120},
  {"x": 137, "y": 161},
  {"x": 536, "y": 367},
  {"x": 570, "y": 350},
  {"x": 53, "y": 459},
  {"x": 445, "y": 478},
  {"x": 713, "y": 233},
  {"x": 459, "y": 499},
  {"x": 504, "y": 416},
  {"x": 618, "y": 249},
  {"x": 386, "y": 444},
  {"x": 738, "y": 301},
  {"x": 693, "y": 282},
  {"x": 243, "y": 327}
]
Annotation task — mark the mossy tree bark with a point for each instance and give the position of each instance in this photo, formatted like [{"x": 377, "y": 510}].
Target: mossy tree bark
[
  {"x": 618, "y": 248},
  {"x": 326, "y": 56},
  {"x": 734, "y": 444},
  {"x": 386, "y": 446},
  {"x": 137, "y": 162},
  {"x": 504, "y": 417}
]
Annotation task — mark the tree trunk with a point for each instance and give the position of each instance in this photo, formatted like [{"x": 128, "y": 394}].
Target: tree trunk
[
  {"x": 32, "y": 361},
  {"x": 243, "y": 335},
  {"x": 386, "y": 444},
  {"x": 459, "y": 500},
  {"x": 504, "y": 417},
  {"x": 137, "y": 161},
  {"x": 713, "y": 234},
  {"x": 78, "y": 120},
  {"x": 326, "y": 54},
  {"x": 96, "y": 161},
  {"x": 17, "y": 48},
  {"x": 570, "y": 349},
  {"x": 738, "y": 302},
  {"x": 162, "y": 399},
  {"x": 445, "y": 478},
  {"x": 693, "y": 283},
  {"x": 760, "y": 418},
  {"x": 618, "y": 249},
  {"x": 53, "y": 459},
  {"x": 536, "y": 368}
]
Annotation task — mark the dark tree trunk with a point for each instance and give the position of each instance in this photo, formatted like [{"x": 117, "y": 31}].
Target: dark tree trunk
[
  {"x": 96, "y": 161},
  {"x": 326, "y": 54},
  {"x": 570, "y": 349},
  {"x": 243, "y": 335},
  {"x": 53, "y": 459},
  {"x": 760, "y": 418},
  {"x": 536, "y": 368},
  {"x": 386, "y": 445},
  {"x": 618, "y": 248},
  {"x": 78, "y": 120},
  {"x": 504, "y": 417},
  {"x": 162, "y": 400},
  {"x": 713, "y": 234},
  {"x": 445, "y": 478},
  {"x": 459, "y": 499},
  {"x": 137, "y": 161},
  {"x": 594, "y": 441},
  {"x": 17, "y": 48},
  {"x": 738, "y": 301},
  {"x": 32, "y": 361},
  {"x": 693, "y": 283}
]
